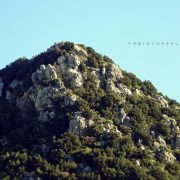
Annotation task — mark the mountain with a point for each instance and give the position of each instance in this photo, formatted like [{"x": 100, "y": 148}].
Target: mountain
[{"x": 71, "y": 113}]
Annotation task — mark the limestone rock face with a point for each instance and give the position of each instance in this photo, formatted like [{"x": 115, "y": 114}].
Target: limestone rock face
[
  {"x": 162, "y": 101},
  {"x": 111, "y": 128},
  {"x": 68, "y": 61},
  {"x": 45, "y": 98},
  {"x": 110, "y": 86},
  {"x": 74, "y": 78},
  {"x": 171, "y": 123},
  {"x": 69, "y": 69},
  {"x": 161, "y": 141},
  {"x": 124, "y": 90},
  {"x": 120, "y": 89},
  {"x": 81, "y": 52},
  {"x": 50, "y": 72},
  {"x": 169, "y": 157},
  {"x": 138, "y": 92},
  {"x": 77, "y": 124},
  {"x": 47, "y": 73},
  {"x": 1, "y": 86},
  {"x": 114, "y": 72}
]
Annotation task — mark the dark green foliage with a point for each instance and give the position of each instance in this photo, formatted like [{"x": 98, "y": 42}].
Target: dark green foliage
[
  {"x": 131, "y": 81},
  {"x": 148, "y": 88},
  {"x": 107, "y": 59}
]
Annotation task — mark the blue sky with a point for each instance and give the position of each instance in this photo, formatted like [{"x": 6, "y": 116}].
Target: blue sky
[{"x": 30, "y": 27}]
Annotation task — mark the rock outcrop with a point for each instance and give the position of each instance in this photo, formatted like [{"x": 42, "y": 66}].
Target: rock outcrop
[
  {"x": 110, "y": 128},
  {"x": 74, "y": 78},
  {"x": 161, "y": 101},
  {"x": 114, "y": 73},
  {"x": 160, "y": 143},
  {"x": 44, "y": 73},
  {"x": 168, "y": 156},
  {"x": 69, "y": 68},
  {"x": 78, "y": 124},
  {"x": 45, "y": 98}
]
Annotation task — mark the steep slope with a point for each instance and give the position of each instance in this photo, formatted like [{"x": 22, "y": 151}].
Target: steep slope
[{"x": 72, "y": 113}]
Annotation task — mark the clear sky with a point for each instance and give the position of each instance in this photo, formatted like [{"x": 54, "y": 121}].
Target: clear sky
[{"x": 30, "y": 27}]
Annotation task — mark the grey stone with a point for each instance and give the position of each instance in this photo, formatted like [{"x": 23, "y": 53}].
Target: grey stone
[
  {"x": 74, "y": 77},
  {"x": 81, "y": 52},
  {"x": 45, "y": 98},
  {"x": 114, "y": 72},
  {"x": 77, "y": 124},
  {"x": 47, "y": 73},
  {"x": 124, "y": 90},
  {"x": 168, "y": 156},
  {"x": 161, "y": 101},
  {"x": 161, "y": 141}
]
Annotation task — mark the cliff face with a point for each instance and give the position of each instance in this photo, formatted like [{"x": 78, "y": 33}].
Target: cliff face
[{"x": 72, "y": 92}]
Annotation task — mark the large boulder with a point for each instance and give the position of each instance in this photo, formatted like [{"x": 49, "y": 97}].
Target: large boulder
[
  {"x": 114, "y": 72},
  {"x": 124, "y": 90},
  {"x": 45, "y": 98},
  {"x": 74, "y": 78},
  {"x": 68, "y": 61},
  {"x": 80, "y": 51},
  {"x": 68, "y": 65},
  {"x": 168, "y": 156},
  {"x": 161, "y": 141},
  {"x": 110, "y": 86},
  {"x": 160, "y": 99},
  {"x": 79, "y": 125},
  {"x": 44, "y": 73},
  {"x": 120, "y": 89},
  {"x": 110, "y": 128}
]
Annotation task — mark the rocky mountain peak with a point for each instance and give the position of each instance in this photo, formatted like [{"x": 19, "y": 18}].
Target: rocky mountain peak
[{"x": 72, "y": 91}]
